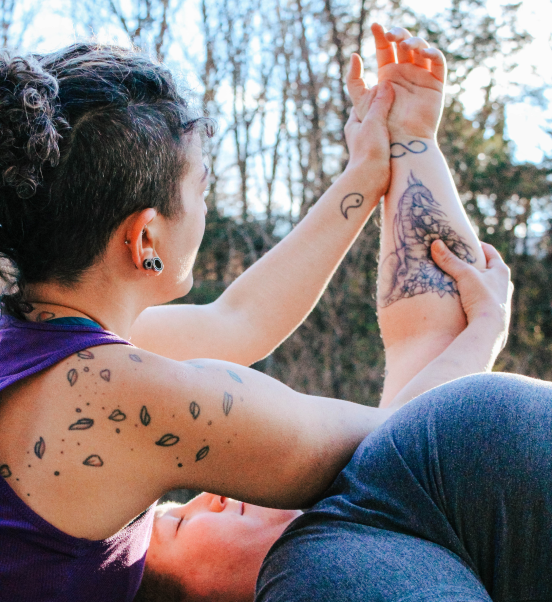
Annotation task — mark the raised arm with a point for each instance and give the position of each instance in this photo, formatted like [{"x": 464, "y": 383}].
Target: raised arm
[
  {"x": 419, "y": 309},
  {"x": 273, "y": 297}
]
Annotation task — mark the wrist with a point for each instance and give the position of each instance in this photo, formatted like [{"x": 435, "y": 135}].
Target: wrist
[
  {"x": 404, "y": 144},
  {"x": 368, "y": 180}
]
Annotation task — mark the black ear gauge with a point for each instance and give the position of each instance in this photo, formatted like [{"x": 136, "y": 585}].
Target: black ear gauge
[
  {"x": 154, "y": 264},
  {"x": 157, "y": 264}
]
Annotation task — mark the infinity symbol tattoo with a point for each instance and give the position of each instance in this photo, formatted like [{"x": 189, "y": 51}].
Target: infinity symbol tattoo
[{"x": 408, "y": 148}]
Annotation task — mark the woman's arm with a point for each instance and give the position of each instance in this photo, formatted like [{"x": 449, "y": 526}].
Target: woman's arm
[
  {"x": 272, "y": 298},
  {"x": 486, "y": 297},
  {"x": 420, "y": 312}
]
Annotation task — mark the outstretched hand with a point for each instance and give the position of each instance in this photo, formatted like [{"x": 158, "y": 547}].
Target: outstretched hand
[
  {"x": 417, "y": 73},
  {"x": 483, "y": 294}
]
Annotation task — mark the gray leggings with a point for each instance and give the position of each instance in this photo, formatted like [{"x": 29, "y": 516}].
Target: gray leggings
[{"x": 451, "y": 499}]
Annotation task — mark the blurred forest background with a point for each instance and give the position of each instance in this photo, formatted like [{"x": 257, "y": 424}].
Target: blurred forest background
[{"x": 271, "y": 72}]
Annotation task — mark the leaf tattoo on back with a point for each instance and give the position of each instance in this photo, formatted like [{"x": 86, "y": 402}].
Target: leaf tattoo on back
[
  {"x": 117, "y": 416},
  {"x": 234, "y": 376},
  {"x": 202, "y": 453},
  {"x": 5, "y": 471},
  {"x": 40, "y": 448},
  {"x": 93, "y": 460},
  {"x": 72, "y": 376},
  {"x": 409, "y": 270},
  {"x": 227, "y": 403},
  {"x": 135, "y": 358},
  {"x": 105, "y": 375},
  {"x": 194, "y": 410},
  {"x": 168, "y": 440},
  {"x": 85, "y": 354},
  {"x": 82, "y": 424},
  {"x": 145, "y": 418}
]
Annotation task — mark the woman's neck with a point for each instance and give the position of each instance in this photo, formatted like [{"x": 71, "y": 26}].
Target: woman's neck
[{"x": 115, "y": 311}]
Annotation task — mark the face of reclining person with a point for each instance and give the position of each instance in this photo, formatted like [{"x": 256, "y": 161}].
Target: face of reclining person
[{"x": 215, "y": 545}]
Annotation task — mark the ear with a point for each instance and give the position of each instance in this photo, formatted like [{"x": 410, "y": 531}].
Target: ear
[{"x": 138, "y": 240}]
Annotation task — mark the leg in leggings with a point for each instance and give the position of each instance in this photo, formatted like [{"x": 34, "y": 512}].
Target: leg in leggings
[{"x": 450, "y": 498}]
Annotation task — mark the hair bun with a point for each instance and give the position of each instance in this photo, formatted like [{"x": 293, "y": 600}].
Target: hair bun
[{"x": 28, "y": 123}]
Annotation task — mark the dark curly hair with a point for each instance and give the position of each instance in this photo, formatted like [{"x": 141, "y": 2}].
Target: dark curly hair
[{"x": 88, "y": 136}]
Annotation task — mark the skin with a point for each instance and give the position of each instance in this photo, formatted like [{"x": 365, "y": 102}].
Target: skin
[{"x": 214, "y": 545}]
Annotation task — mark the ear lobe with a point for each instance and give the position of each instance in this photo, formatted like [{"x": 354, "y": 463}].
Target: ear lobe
[{"x": 137, "y": 236}]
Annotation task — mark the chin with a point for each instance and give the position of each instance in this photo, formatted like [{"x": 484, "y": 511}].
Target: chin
[{"x": 272, "y": 515}]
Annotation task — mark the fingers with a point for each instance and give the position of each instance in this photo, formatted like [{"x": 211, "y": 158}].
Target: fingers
[
  {"x": 448, "y": 261},
  {"x": 398, "y": 35},
  {"x": 385, "y": 53},
  {"x": 412, "y": 48},
  {"x": 355, "y": 84},
  {"x": 438, "y": 65},
  {"x": 409, "y": 49},
  {"x": 381, "y": 101},
  {"x": 494, "y": 260}
]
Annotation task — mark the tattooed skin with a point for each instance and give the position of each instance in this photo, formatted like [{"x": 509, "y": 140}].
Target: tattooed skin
[
  {"x": 117, "y": 416},
  {"x": 234, "y": 376},
  {"x": 202, "y": 453},
  {"x": 5, "y": 471},
  {"x": 414, "y": 146},
  {"x": 93, "y": 460},
  {"x": 85, "y": 355},
  {"x": 168, "y": 440},
  {"x": 145, "y": 418},
  {"x": 227, "y": 403},
  {"x": 72, "y": 376},
  {"x": 351, "y": 201},
  {"x": 409, "y": 270},
  {"x": 194, "y": 410},
  {"x": 40, "y": 448}
]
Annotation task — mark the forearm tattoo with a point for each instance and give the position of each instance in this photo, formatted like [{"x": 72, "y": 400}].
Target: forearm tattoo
[
  {"x": 409, "y": 269},
  {"x": 351, "y": 201},
  {"x": 414, "y": 146}
]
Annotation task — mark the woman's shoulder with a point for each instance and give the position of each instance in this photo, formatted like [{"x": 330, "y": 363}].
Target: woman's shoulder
[{"x": 78, "y": 431}]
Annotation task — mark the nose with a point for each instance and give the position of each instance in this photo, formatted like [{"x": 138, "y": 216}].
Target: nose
[{"x": 218, "y": 503}]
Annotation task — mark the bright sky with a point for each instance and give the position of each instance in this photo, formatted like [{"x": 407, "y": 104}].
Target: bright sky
[{"x": 525, "y": 120}]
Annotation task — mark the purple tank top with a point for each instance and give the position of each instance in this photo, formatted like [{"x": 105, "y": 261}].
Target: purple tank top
[{"x": 38, "y": 562}]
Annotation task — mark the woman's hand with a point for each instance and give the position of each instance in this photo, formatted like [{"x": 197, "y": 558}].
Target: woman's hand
[
  {"x": 417, "y": 73},
  {"x": 484, "y": 294},
  {"x": 368, "y": 139}
]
